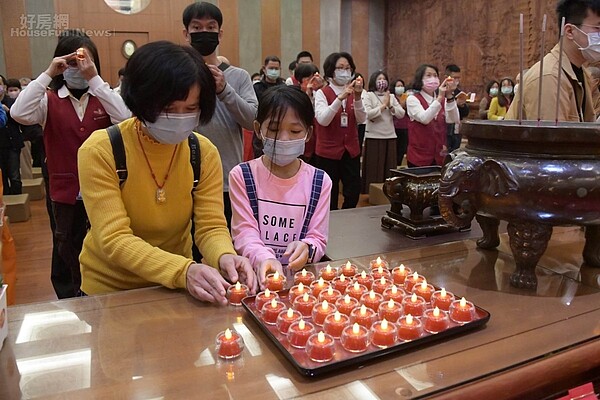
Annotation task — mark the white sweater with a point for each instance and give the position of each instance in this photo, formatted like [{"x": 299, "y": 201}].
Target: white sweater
[{"x": 380, "y": 123}]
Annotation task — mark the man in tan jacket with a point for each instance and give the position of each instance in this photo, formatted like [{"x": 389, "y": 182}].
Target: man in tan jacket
[{"x": 581, "y": 45}]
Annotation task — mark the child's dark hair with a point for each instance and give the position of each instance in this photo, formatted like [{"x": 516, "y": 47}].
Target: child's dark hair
[
  {"x": 277, "y": 100},
  {"x": 159, "y": 73},
  {"x": 304, "y": 71},
  {"x": 13, "y": 83},
  {"x": 68, "y": 42}
]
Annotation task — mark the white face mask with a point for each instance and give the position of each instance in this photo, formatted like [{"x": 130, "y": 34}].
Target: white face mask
[
  {"x": 399, "y": 90},
  {"x": 283, "y": 152},
  {"x": 74, "y": 79},
  {"x": 173, "y": 128},
  {"x": 273, "y": 73},
  {"x": 592, "y": 52},
  {"x": 342, "y": 76}
]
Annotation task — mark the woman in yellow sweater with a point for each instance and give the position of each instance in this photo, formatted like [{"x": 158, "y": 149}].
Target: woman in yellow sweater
[
  {"x": 500, "y": 104},
  {"x": 140, "y": 228}
]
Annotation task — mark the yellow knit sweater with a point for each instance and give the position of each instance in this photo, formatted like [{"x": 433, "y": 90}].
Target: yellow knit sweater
[{"x": 135, "y": 241}]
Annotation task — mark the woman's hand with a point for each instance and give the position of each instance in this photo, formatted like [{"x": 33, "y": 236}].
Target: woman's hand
[
  {"x": 86, "y": 66},
  {"x": 58, "y": 65},
  {"x": 268, "y": 265},
  {"x": 386, "y": 101},
  {"x": 237, "y": 268},
  {"x": 298, "y": 255},
  {"x": 346, "y": 92},
  {"x": 444, "y": 89},
  {"x": 206, "y": 283},
  {"x": 357, "y": 84}
]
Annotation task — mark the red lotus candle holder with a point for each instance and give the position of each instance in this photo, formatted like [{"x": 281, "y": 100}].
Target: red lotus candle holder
[
  {"x": 321, "y": 310},
  {"x": 363, "y": 316},
  {"x": 462, "y": 311},
  {"x": 356, "y": 290},
  {"x": 390, "y": 310},
  {"x": 384, "y": 334},
  {"x": 411, "y": 280},
  {"x": 297, "y": 290},
  {"x": 320, "y": 347},
  {"x": 264, "y": 297},
  {"x": 304, "y": 276},
  {"x": 270, "y": 311},
  {"x": 435, "y": 320},
  {"x": 328, "y": 273},
  {"x": 395, "y": 293},
  {"x": 229, "y": 344},
  {"x": 285, "y": 319},
  {"x": 318, "y": 286},
  {"x": 346, "y": 304},
  {"x": 424, "y": 290},
  {"x": 409, "y": 328},
  {"x": 335, "y": 323},
  {"x": 379, "y": 263},
  {"x": 330, "y": 294},
  {"x": 304, "y": 304},
  {"x": 379, "y": 272},
  {"x": 379, "y": 285},
  {"x": 299, "y": 332},
  {"x": 355, "y": 338},
  {"x": 341, "y": 283},
  {"x": 275, "y": 282},
  {"x": 235, "y": 293},
  {"x": 364, "y": 279},
  {"x": 348, "y": 269},
  {"x": 372, "y": 300},
  {"x": 400, "y": 273},
  {"x": 442, "y": 299},
  {"x": 414, "y": 305}
]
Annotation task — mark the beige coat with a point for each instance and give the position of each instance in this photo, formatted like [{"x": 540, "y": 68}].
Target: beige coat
[{"x": 571, "y": 93}]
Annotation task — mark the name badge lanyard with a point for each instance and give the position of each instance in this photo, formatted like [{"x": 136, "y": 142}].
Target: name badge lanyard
[{"x": 344, "y": 115}]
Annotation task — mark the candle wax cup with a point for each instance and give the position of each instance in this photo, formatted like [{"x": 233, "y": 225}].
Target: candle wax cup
[
  {"x": 320, "y": 351},
  {"x": 410, "y": 281},
  {"x": 462, "y": 315},
  {"x": 319, "y": 314},
  {"x": 275, "y": 285},
  {"x": 390, "y": 314},
  {"x": 235, "y": 295},
  {"x": 367, "y": 281},
  {"x": 379, "y": 287},
  {"x": 372, "y": 302},
  {"x": 331, "y": 298},
  {"x": 384, "y": 337},
  {"x": 229, "y": 348},
  {"x": 355, "y": 342},
  {"x": 328, "y": 276},
  {"x": 283, "y": 321},
  {"x": 298, "y": 337},
  {"x": 443, "y": 303},
  {"x": 434, "y": 324},
  {"x": 346, "y": 308},
  {"x": 295, "y": 292},
  {"x": 348, "y": 270},
  {"x": 261, "y": 299},
  {"x": 306, "y": 280},
  {"x": 398, "y": 296},
  {"x": 304, "y": 307},
  {"x": 410, "y": 332},
  {"x": 317, "y": 289},
  {"x": 357, "y": 294},
  {"x": 340, "y": 285},
  {"x": 424, "y": 293},
  {"x": 415, "y": 309},
  {"x": 399, "y": 276},
  {"x": 376, "y": 274},
  {"x": 383, "y": 263},
  {"x": 366, "y": 319},
  {"x": 333, "y": 327},
  {"x": 269, "y": 313}
]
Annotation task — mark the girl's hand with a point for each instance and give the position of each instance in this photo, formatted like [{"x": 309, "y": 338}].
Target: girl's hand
[
  {"x": 298, "y": 255},
  {"x": 265, "y": 267},
  {"x": 58, "y": 65}
]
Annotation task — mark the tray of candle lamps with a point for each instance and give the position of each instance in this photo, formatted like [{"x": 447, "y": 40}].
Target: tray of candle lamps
[{"x": 347, "y": 317}]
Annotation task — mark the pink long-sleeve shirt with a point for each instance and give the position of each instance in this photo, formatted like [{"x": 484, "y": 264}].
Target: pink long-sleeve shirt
[{"x": 282, "y": 207}]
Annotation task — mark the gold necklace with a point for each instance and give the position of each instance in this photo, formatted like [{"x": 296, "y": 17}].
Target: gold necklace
[{"x": 161, "y": 196}]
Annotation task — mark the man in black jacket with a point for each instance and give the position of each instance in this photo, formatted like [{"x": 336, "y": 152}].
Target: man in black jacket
[
  {"x": 453, "y": 137},
  {"x": 11, "y": 143}
]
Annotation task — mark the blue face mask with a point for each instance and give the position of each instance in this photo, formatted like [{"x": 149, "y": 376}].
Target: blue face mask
[
  {"x": 173, "y": 128},
  {"x": 283, "y": 152},
  {"x": 74, "y": 79}
]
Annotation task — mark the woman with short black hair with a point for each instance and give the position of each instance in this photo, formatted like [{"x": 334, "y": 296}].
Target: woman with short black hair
[{"x": 140, "y": 228}]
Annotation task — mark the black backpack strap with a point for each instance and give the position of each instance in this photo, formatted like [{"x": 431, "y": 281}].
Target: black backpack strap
[
  {"x": 250, "y": 188},
  {"x": 116, "y": 141},
  {"x": 195, "y": 157},
  {"x": 315, "y": 194}
]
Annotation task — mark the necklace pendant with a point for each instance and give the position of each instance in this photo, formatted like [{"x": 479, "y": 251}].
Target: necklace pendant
[{"x": 160, "y": 196}]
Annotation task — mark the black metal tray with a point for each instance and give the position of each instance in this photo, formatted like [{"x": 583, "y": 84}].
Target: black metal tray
[{"x": 343, "y": 358}]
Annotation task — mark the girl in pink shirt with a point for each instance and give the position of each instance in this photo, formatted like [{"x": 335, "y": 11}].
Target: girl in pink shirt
[{"x": 280, "y": 204}]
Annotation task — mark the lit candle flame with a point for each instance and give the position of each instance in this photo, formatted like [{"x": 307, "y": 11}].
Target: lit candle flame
[
  {"x": 301, "y": 325},
  {"x": 305, "y": 297},
  {"x": 337, "y": 317},
  {"x": 463, "y": 302},
  {"x": 301, "y": 287},
  {"x": 290, "y": 313},
  {"x": 391, "y": 303},
  {"x": 321, "y": 282},
  {"x": 413, "y": 298},
  {"x": 267, "y": 292},
  {"x": 330, "y": 291},
  {"x": 228, "y": 334},
  {"x": 443, "y": 292},
  {"x": 436, "y": 312},
  {"x": 384, "y": 325},
  {"x": 325, "y": 305},
  {"x": 409, "y": 319},
  {"x": 378, "y": 260},
  {"x": 415, "y": 276},
  {"x": 372, "y": 295},
  {"x": 321, "y": 337},
  {"x": 348, "y": 265},
  {"x": 356, "y": 328},
  {"x": 402, "y": 268},
  {"x": 274, "y": 303},
  {"x": 363, "y": 310},
  {"x": 394, "y": 289},
  {"x": 342, "y": 278},
  {"x": 347, "y": 299},
  {"x": 328, "y": 269},
  {"x": 276, "y": 276},
  {"x": 363, "y": 275},
  {"x": 382, "y": 280},
  {"x": 238, "y": 286},
  {"x": 356, "y": 287},
  {"x": 380, "y": 270},
  {"x": 424, "y": 285},
  {"x": 304, "y": 272}
]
